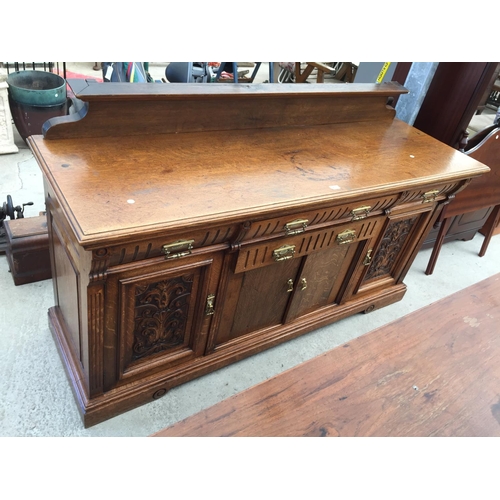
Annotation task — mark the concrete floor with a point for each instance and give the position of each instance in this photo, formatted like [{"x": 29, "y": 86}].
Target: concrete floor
[{"x": 35, "y": 396}]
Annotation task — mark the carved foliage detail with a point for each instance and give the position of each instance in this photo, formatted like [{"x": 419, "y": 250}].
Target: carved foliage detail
[
  {"x": 161, "y": 313},
  {"x": 99, "y": 265},
  {"x": 390, "y": 247}
]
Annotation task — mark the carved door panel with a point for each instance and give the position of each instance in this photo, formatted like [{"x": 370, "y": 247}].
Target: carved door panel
[
  {"x": 162, "y": 318},
  {"x": 389, "y": 262}
]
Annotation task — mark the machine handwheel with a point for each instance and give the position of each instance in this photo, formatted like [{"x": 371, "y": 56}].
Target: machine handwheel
[{"x": 9, "y": 207}]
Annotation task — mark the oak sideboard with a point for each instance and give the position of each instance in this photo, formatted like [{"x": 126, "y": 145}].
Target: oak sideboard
[{"x": 192, "y": 225}]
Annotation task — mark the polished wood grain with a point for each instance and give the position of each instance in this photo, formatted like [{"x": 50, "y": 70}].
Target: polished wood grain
[
  {"x": 186, "y": 108},
  {"x": 427, "y": 374},
  {"x": 284, "y": 169},
  {"x": 167, "y": 205}
]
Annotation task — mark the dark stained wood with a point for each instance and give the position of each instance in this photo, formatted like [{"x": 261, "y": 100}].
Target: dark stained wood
[
  {"x": 400, "y": 74},
  {"x": 482, "y": 193},
  {"x": 426, "y": 374},
  {"x": 167, "y": 206},
  {"x": 27, "y": 249},
  {"x": 452, "y": 99},
  {"x": 173, "y": 109}
]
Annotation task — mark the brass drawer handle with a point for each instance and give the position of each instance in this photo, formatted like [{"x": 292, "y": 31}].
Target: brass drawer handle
[
  {"x": 430, "y": 196},
  {"x": 296, "y": 226},
  {"x": 284, "y": 252},
  {"x": 347, "y": 236},
  {"x": 360, "y": 212},
  {"x": 178, "y": 249}
]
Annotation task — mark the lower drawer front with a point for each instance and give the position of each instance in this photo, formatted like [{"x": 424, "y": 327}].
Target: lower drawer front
[{"x": 268, "y": 252}]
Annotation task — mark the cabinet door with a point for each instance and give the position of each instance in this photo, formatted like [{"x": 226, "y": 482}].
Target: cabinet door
[
  {"x": 274, "y": 282},
  {"x": 257, "y": 299},
  {"x": 321, "y": 279},
  {"x": 161, "y": 313},
  {"x": 324, "y": 277},
  {"x": 399, "y": 242}
]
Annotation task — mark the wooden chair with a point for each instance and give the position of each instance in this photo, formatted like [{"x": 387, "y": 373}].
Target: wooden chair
[
  {"x": 483, "y": 192},
  {"x": 302, "y": 76}
]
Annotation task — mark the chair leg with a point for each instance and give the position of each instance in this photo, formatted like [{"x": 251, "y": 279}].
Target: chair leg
[
  {"x": 491, "y": 223},
  {"x": 302, "y": 77},
  {"x": 445, "y": 225}
]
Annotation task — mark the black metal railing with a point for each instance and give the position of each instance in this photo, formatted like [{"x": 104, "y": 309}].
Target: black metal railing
[{"x": 52, "y": 67}]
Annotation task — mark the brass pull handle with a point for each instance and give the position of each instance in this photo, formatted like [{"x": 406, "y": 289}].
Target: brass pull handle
[
  {"x": 303, "y": 284},
  {"x": 296, "y": 226},
  {"x": 360, "y": 212},
  {"x": 368, "y": 258},
  {"x": 284, "y": 252},
  {"x": 430, "y": 196},
  {"x": 290, "y": 285},
  {"x": 178, "y": 249},
  {"x": 347, "y": 236}
]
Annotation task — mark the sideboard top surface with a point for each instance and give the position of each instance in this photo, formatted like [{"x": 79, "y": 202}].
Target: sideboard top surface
[
  {"x": 179, "y": 180},
  {"x": 114, "y": 186}
]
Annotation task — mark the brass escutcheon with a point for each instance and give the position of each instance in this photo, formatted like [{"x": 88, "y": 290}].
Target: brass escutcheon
[
  {"x": 347, "y": 236},
  {"x": 284, "y": 252},
  {"x": 368, "y": 258},
  {"x": 290, "y": 285},
  {"x": 182, "y": 248},
  {"x": 209, "y": 308},
  {"x": 296, "y": 226}
]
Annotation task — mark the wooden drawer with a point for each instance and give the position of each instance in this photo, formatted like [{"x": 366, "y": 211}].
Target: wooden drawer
[
  {"x": 299, "y": 222},
  {"x": 176, "y": 243},
  {"x": 269, "y": 252},
  {"x": 429, "y": 193}
]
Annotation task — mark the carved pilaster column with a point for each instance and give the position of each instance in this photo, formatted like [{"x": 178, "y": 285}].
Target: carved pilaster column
[
  {"x": 6, "y": 130},
  {"x": 95, "y": 308}
]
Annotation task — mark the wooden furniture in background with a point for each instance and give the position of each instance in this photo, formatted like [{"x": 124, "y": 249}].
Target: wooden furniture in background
[
  {"x": 321, "y": 68},
  {"x": 191, "y": 226},
  {"x": 426, "y": 374},
  {"x": 482, "y": 193},
  {"x": 27, "y": 249},
  {"x": 453, "y": 98},
  {"x": 347, "y": 72}
]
